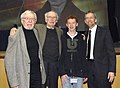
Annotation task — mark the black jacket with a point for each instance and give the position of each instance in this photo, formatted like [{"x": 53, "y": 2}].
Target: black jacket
[
  {"x": 104, "y": 53},
  {"x": 73, "y": 59}
]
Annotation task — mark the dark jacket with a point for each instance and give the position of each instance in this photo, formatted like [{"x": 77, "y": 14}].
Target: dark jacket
[
  {"x": 104, "y": 57},
  {"x": 104, "y": 53},
  {"x": 73, "y": 58}
]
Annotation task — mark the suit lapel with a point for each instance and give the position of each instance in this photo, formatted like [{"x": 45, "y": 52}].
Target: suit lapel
[
  {"x": 36, "y": 35},
  {"x": 23, "y": 42},
  {"x": 97, "y": 36},
  {"x": 42, "y": 33}
]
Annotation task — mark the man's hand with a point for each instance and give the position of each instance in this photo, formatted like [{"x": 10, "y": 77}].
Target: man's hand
[
  {"x": 83, "y": 36},
  {"x": 64, "y": 78},
  {"x": 15, "y": 87},
  {"x": 85, "y": 80},
  {"x": 13, "y": 31},
  {"x": 111, "y": 76}
]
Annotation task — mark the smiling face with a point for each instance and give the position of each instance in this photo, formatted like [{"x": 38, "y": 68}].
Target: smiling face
[
  {"x": 28, "y": 20},
  {"x": 51, "y": 19},
  {"x": 90, "y": 19},
  {"x": 71, "y": 24}
]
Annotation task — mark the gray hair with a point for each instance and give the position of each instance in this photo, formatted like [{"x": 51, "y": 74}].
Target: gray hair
[
  {"x": 28, "y": 12},
  {"x": 46, "y": 14},
  {"x": 91, "y": 12}
]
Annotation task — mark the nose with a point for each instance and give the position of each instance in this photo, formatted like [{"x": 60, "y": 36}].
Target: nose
[{"x": 30, "y": 20}]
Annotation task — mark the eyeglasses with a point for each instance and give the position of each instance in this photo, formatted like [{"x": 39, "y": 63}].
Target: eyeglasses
[
  {"x": 27, "y": 18},
  {"x": 51, "y": 17}
]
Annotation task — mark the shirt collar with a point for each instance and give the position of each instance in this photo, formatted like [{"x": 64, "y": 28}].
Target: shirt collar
[
  {"x": 73, "y": 35},
  {"x": 50, "y": 27},
  {"x": 93, "y": 29}
]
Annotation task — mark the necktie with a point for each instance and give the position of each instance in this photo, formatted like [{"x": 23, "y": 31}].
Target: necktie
[{"x": 89, "y": 43}]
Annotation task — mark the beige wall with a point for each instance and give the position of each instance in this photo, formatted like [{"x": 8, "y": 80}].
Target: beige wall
[
  {"x": 3, "y": 78},
  {"x": 4, "y": 83}
]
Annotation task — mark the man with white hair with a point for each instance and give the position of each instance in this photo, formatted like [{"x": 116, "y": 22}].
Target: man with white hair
[
  {"x": 50, "y": 39},
  {"x": 23, "y": 59}
]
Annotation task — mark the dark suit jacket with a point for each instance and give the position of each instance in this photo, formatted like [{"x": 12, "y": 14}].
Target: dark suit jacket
[
  {"x": 69, "y": 9},
  {"x": 104, "y": 53}
]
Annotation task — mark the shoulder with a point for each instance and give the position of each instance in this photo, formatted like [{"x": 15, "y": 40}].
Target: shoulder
[
  {"x": 19, "y": 31},
  {"x": 103, "y": 29},
  {"x": 64, "y": 37},
  {"x": 40, "y": 25},
  {"x": 81, "y": 35},
  {"x": 59, "y": 30}
]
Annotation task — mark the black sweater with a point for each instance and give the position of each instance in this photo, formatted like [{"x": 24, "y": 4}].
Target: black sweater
[
  {"x": 33, "y": 47},
  {"x": 73, "y": 56}
]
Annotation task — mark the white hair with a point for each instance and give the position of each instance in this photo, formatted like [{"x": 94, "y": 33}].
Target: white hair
[
  {"x": 28, "y": 12},
  {"x": 46, "y": 14}
]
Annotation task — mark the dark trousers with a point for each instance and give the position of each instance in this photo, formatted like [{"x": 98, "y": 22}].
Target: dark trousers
[
  {"x": 36, "y": 83},
  {"x": 94, "y": 80},
  {"x": 52, "y": 74}
]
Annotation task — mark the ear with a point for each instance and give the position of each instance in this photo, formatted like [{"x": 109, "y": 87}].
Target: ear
[
  {"x": 66, "y": 24},
  {"x": 85, "y": 21},
  {"x": 96, "y": 20},
  {"x": 21, "y": 21},
  {"x": 77, "y": 24},
  {"x": 46, "y": 20}
]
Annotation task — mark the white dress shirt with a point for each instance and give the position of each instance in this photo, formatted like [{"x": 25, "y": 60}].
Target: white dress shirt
[{"x": 93, "y": 32}]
